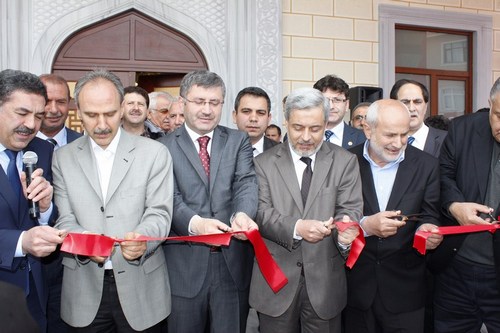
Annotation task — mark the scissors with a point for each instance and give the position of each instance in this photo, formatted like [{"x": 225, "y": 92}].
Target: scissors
[{"x": 409, "y": 217}]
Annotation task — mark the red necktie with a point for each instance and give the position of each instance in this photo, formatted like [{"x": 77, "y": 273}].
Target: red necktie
[{"x": 204, "y": 157}]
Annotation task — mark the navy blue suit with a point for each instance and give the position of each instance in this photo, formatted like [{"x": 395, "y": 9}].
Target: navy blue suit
[
  {"x": 16, "y": 270},
  {"x": 352, "y": 137}
]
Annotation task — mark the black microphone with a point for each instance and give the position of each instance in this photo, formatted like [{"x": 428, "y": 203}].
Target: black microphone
[{"x": 29, "y": 160}]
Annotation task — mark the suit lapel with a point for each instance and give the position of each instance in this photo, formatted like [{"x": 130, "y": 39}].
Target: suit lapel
[
  {"x": 186, "y": 145},
  {"x": 85, "y": 157},
  {"x": 219, "y": 142},
  {"x": 483, "y": 148},
  {"x": 371, "y": 205},
  {"x": 286, "y": 169},
  {"x": 123, "y": 160},
  {"x": 322, "y": 166}
]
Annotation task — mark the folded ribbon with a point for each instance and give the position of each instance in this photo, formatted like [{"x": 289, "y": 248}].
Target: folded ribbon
[
  {"x": 357, "y": 245},
  {"x": 102, "y": 246},
  {"x": 421, "y": 236}
]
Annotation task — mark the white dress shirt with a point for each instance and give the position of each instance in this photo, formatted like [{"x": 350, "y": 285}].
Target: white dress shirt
[
  {"x": 61, "y": 138},
  {"x": 258, "y": 148},
  {"x": 420, "y": 137},
  {"x": 338, "y": 134}
]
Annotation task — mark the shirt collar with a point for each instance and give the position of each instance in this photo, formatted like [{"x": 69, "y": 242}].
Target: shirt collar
[
  {"x": 61, "y": 137},
  {"x": 194, "y": 136},
  {"x": 259, "y": 146}
]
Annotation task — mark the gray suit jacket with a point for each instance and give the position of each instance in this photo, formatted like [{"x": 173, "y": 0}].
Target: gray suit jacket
[
  {"x": 232, "y": 188},
  {"x": 434, "y": 141},
  {"x": 335, "y": 191},
  {"x": 139, "y": 199}
]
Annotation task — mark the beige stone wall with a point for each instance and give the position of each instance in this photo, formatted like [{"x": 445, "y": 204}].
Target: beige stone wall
[{"x": 341, "y": 37}]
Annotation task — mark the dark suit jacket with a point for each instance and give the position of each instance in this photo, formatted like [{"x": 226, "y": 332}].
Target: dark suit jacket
[
  {"x": 465, "y": 162},
  {"x": 268, "y": 143},
  {"x": 232, "y": 188},
  {"x": 391, "y": 265},
  {"x": 14, "y": 314},
  {"x": 352, "y": 137},
  {"x": 72, "y": 135},
  {"x": 15, "y": 270},
  {"x": 434, "y": 141},
  {"x": 335, "y": 191}
]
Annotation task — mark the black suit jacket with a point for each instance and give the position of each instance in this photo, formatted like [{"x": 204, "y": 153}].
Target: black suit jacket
[
  {"x": 352, "y": 137},
  {"x": 72, "y": 135},
  {"x": 268, "y": 143},
  {"x": 434, "y": 141},
  {"x": 15, "y": 270},
  {"x": 391, "y": 265},
  {"x": 465, "y": 167}
]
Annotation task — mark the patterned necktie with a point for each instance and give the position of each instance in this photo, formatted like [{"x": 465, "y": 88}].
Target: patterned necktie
[
  {"x": 53, "y": 141},
  {"x": 204, "y": 157},
  {"x": 410, "y": 140},
  {"x": 13, "y": 173},
  {"x": 306, "y": 179},
  {"x": 328, "y": 135}
]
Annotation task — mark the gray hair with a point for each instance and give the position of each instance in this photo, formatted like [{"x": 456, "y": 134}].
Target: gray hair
[
  {"x": 94, "y": 76},
  {"x": 495, "y": 89},
  {"x": 153, "y": 98},
  {"x": 13, "y": 80},
  {"x": 372, "y": 112},
  {"x": 306, "y": 98},
  {"x": 205, "y": 79}
]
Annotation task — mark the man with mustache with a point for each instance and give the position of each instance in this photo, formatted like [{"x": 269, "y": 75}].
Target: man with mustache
[
  {"x": 386, "y": 287},
  {"x": 158, "y": 121},
  {"x": 135, "y": 112},
  {"x": 252, "y": 114},
  {"x": 53, "y": 127},
  {"x": 24, "y": 240}
]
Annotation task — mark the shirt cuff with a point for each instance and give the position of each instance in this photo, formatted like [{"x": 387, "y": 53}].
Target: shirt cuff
[
  {"x": 361, "y": 225},
  {"x": 44, "y": 218},
  {"x": 19, "y": 247},
  {"x": 191, "y": 233},
  {"x": 295, "y": 236}
]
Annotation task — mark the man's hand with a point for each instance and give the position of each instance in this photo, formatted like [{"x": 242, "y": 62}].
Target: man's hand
[
  {"x": 202, "y": 226},
  {"x": 383, "y": 224},
  {"x": 242, "y": 222},
  {"x": 347, "y": 236},
  {"x": 40, "y": 190},
  {"x": 41, "y": 241},
  {"x": 313, "y": 230},
  {"x": 131, "y": 249},
  {"x": 467, "y": 213},
  {"x": 434, "y": 239}
]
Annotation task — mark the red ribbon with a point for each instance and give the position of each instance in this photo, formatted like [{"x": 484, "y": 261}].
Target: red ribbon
[
  {"x": 357, "y": 245},
  {"x": 421, "y": 236},
  {"x": 102, "y": 246}
]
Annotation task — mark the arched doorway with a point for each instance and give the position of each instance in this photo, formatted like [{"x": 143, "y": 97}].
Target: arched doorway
[{"x": 137, "y": 48}]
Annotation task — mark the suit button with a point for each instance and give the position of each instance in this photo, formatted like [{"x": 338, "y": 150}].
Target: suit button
[
  {"x": 455, "y": 249},
  {"x": 299, "y": 264},
  {"x": 102, "y": 209}
]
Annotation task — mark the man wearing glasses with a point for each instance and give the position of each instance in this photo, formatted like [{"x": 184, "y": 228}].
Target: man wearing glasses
[
  {"x": 215, "y": 191},
  {"x": 358, "y": 115},
  {"x": 337, "y": 131},
  {"x": 415, "y": 96},
  {"x": 158, "y": 121}
]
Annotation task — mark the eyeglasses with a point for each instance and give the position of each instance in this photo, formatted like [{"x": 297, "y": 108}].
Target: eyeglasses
[
  {"x": 407, "y": 102},
  {"x": 201, "y": 102},
  {"x": 165, "y": 110},
  {"x": 359, "y": 117},
  {"x": 336, "y": 100}
]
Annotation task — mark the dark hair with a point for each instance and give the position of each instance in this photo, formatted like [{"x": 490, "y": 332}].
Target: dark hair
[
  {"x": 96, "y": 75},
  {"x": 359, "y": 105},
  {"x": 202, "y": 78},
  {"x": 137, "y": 90},
  {"x": 56, "y": 79},
  {"x": 402, "y": 82},
  {"x": 274, "y": 126},
  {"x": 13, "y": 80},
  {"x": 253, "y": 91},
  {"x": 334, "y": 83},
  {"x": 437, "y": 121}
]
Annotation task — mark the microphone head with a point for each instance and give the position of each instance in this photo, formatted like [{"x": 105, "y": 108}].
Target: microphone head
[{"x": 30, "y": 157}]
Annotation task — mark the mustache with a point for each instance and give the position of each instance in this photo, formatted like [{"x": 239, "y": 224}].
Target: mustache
[
  {"x": 24, "y": 130},
  {"x": 104, "y": 131}
]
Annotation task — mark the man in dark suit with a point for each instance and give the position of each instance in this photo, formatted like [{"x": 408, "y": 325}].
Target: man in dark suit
[
  {"x": 468, "y": 264},
  {"x": 53, "y": 130},
  {"x": 252, "y": 114},
  {"x": 386, "y": 287},
  {"x": 24, "y": 240},
  {"x": 297, "y": 221},
  {"x": 215, "y": 191},
  {"x": 415, "y": 96},
  {"x": 53, "y": 126},
  {"x": 337, "y": 131}
]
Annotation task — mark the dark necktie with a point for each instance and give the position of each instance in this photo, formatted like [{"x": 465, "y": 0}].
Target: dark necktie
[
  {"x": 13, "y": 173},
  {"x": 53, "y": 141},
  {"x": 306, "y": 179},
  {"x": 204, "y": 157},
  {"x": 410, "y": 140},
  {"x": 328, "y": 135}
]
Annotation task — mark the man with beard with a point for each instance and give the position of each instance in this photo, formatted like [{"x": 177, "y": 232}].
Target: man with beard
[
  {"x": 336, "y": 91},
  {"x": 386, "y": 287},
  {"x": 305, "y": 185},
  {"x": 24, "y": 240},
  {"x": 53, "y": 127}
]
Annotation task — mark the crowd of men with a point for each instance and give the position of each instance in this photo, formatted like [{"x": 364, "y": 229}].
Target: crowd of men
[{"x": 150, "y": 164}]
